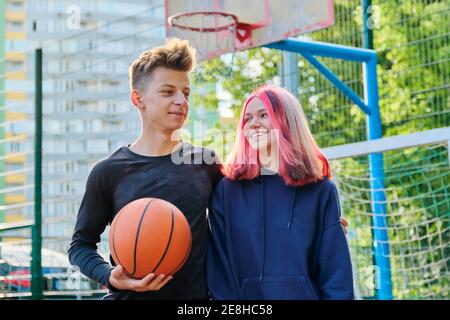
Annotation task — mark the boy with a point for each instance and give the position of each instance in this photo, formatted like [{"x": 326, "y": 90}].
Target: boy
[{"x": 150, "y": 167}]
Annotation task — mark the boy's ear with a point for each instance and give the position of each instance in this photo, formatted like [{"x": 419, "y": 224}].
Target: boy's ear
[{"x": 136, "y": 99}]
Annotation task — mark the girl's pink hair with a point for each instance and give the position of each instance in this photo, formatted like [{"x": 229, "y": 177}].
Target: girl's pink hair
[{"x": 301, "y": 161}]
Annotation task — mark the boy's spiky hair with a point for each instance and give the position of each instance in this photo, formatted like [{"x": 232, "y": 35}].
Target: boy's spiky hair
[{"x": 175, "y": 54}]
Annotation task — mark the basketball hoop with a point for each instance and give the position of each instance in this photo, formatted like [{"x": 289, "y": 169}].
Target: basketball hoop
[
  {"x": 207, "y": 28},
  {"x": 216, "y": 27}
]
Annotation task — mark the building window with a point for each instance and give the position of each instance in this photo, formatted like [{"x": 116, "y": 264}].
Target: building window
[
  {"x": 14, "y": 66},
  {"x": 15, "y": 45},
  {"x": 14, "y": 26},
  {"x": 15, "y": 5}
]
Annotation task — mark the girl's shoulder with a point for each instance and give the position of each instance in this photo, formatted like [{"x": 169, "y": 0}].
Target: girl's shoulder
[
  {"x": 324, "y": 186},
  {"x": 325, "y": 183},
  {"x": 226, "y": 182},
  {"x": 233, "y": 185}
]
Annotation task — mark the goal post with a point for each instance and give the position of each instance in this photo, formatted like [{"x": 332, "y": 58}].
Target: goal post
[{"x": 417, "y": 201}]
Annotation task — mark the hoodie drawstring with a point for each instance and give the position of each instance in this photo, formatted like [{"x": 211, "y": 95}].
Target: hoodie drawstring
[
  {"x": 292, "y": 207},
  {"x": 262, "y": 229}
]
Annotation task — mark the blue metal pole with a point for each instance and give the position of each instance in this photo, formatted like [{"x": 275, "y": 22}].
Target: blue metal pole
[
  {"x": 346, "y": 90},
  {"x": 308, "y": 48},
  {"x": 383, "y": 283},
  {"x": 323, "y": 49}
]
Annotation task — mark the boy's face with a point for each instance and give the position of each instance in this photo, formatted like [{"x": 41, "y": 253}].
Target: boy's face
[{"x": 163, "y": 104}]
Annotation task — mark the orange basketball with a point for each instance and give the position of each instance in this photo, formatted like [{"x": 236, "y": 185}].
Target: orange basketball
[{"x": 150, "y": 235}]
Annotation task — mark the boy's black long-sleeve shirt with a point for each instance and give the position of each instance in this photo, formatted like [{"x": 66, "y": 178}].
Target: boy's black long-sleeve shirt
[{"x": 185, "y": 178}]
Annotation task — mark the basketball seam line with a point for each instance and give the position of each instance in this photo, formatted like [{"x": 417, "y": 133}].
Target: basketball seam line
[
  {"x": 137, "y": 236},
  {"x": 114, "y": 239},
  {"x": 184, "y": 259},
  {"x": 168, "y": 243}
]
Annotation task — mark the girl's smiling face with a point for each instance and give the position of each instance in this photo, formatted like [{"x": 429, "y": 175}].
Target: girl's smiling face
[{"x": 257, "y": 127}]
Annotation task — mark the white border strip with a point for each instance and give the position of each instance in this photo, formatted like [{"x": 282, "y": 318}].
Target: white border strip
[{"x": 389, "y": 143}]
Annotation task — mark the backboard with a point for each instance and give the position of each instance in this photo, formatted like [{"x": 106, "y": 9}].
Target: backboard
[{"x": 245, "y": 24}]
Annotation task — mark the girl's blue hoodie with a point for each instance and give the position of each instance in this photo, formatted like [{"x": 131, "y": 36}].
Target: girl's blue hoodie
[{"x": 273, "y": 241}]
